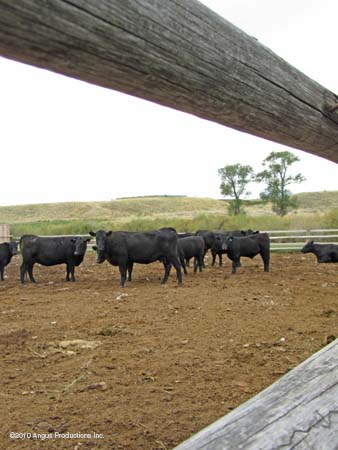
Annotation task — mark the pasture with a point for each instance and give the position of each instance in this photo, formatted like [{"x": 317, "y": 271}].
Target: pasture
[{"x": 148, "y": 365}]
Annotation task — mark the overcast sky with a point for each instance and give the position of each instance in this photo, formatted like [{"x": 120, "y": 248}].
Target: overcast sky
[{"x": 66, "y": 140}]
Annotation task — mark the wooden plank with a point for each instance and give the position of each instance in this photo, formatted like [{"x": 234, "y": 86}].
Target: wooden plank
[
  {"x": 179, "y": 54},
  {"x": 307, "y": 236},
  {"x": 323, "y": 230},
  {"x": 4, "y": 233},
  {"x": 298, "y": 411}
]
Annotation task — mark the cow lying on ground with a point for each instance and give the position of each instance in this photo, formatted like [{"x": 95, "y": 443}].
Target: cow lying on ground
[
  {"x": 191, "y": 247},
  {"x": 50, "y": 252},
  {"x": 248, "y": 246},
  {"x": 123, "y": 249},
  {"x": 325, "y": 253},
  {"x": 7, "y": 251}
]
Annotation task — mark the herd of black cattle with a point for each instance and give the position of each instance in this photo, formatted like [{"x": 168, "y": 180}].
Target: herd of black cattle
[{"x": 123, "y": 249}]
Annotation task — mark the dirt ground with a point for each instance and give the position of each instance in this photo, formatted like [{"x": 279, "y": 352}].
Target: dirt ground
[{"x": 146, "y": 366}]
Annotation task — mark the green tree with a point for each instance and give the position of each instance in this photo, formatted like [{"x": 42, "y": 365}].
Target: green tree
[
  {"x": 277, "y": 178},
  {"x": 235, "y": 179}
]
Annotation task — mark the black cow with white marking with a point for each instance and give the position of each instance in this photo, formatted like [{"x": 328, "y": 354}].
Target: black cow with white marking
[
  {"x": 325, "y": 253},
  {"x": 7, "y": 251},
  {"x": 123, "y": 249},
  {"x": 248, "y": 246},
  {"x": 218, "y": 247}
]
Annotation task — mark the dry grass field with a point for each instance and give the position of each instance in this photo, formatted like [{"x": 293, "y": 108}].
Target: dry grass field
[{"x": 316, "y": 210}]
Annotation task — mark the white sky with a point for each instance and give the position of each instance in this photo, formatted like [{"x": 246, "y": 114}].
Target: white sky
[{"x": 65, "y": 140}]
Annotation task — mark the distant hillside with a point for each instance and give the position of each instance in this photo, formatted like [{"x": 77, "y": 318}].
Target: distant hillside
[
  {"x": 317, "y": 201},
  {"x": 166, "y": 207},
  {"x": 118, "y": 210}
]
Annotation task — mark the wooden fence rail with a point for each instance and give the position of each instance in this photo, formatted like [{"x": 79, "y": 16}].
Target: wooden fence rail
[
  {"x": 179, "y": 54},
  {"x": 293, "y": 240},
  {"x": 299, "y": 411}
]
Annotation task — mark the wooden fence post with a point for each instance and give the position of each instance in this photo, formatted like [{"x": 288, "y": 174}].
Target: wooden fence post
[{"x": 4, "y": 233}]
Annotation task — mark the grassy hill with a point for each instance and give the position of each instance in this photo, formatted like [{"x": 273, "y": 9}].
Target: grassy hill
[
  {"x": 316, "y": 210},
  {"x": 120, "y": 210},
  {"x": 317, "y": 201}
]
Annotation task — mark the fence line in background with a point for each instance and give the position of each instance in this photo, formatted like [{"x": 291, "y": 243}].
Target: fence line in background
[
  {"x": 294, "y": 240},
  {"x": 286, "y": 240}
]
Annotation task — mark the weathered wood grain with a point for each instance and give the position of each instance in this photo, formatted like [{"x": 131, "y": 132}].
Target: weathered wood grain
[
  {"x": 299, "y": 411},
  {"x": 179, "y": 54}
]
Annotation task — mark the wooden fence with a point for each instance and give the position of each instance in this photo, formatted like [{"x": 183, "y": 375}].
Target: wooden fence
[{"x": 294, "y": 240}]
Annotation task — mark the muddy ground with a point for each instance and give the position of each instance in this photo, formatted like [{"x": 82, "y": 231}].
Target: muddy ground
[{"x": 146, "y": 366}]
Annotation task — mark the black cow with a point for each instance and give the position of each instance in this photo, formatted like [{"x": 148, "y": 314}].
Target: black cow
[
  {"x": 50, "y": 252},
  {"x": 191, "y": 247},
  {"x": 209, "y": 239},
  {"x": 248, "y": 246},
  {"x": 325, "y": 253},
  {"x": 123, "y": 249},
  {"x": 218, "y": 247},
  {"x": 7, "y": 250}
]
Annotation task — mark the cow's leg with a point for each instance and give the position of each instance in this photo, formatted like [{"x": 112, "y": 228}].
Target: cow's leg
[
  {"x": 70, "y": 271},
  {"x": 200, "y": 262},
  {"x": 220, "y": 262},
  {"x": 167, "y": 268},
  {"x": 123, "y": 272},
  {"x": 213, "y": 258},
  {"x": 177, "y": 266},
  {"x": 130, "y": 270},
  {"x": 235, "y": 264},
  {"x": 30, "y": 272},
  {"x": 2, "y": 269},
  {"x": 183, "y": 265},
  {"x": 266, "y": 260},
  {"x": 23, "y": 270},
  {"x": 195, "y": 264}
]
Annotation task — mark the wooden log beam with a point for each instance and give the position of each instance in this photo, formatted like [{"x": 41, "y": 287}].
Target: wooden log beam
[
  {"x": 177, "y": 53},
  {"x": 298, "y": 411}
]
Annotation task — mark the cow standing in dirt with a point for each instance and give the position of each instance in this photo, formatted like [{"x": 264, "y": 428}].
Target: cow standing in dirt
[
  {"x": 50, "y": 252},
  {"x": 191, "y": 247},
  {"x": 123, "y": 249},
  {"x": 248, "y": 246},
  {"x": 218, "y": 247}
]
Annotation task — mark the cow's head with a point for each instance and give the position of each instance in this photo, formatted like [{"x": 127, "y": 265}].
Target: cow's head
[
  {"x": 308, "y": 247},
  {"x": 249, "y": 232},
  {"x": 219, "y": 243},
  {"x": 228, "y": 242},
  {"x": 101, "y": 237},
  {"x": 80, "y": 245},
  {"x": 14, "y": 247}
]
